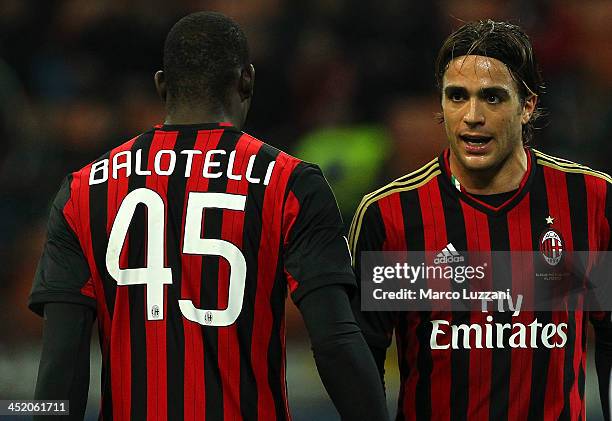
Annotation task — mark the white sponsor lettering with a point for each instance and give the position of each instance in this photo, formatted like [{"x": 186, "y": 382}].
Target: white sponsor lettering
[{"x": 497, "y": 335}]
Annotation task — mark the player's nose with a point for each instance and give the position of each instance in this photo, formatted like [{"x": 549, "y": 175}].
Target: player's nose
[{"x": 473, "y": 113}]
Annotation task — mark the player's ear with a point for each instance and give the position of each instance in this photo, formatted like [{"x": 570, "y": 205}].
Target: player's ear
[
  {"x": 160, "y": 85},
  {"x": 246, "y": 82},
  {"x": 529, "y": 107}
]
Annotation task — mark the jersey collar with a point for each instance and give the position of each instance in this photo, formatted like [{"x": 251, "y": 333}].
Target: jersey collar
[
  {"x": 526, "y": 181},
  {"x": 198, "y": 126}
]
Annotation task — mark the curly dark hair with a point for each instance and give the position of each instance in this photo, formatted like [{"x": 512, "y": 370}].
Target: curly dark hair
[
  {"x": 505, "y": 42},
  {"x": 201, "y": 54}
]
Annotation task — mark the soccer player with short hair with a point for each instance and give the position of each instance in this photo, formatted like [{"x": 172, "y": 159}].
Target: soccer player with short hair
[
  {"x": 489, "y": 191},
  {"x": 184, "y": 243}
]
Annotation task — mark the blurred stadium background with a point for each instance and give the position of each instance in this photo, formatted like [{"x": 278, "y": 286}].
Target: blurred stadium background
[{"x": 347, "y": 84}]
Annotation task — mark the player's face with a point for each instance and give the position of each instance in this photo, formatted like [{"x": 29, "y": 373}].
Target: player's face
[{"x": 483, "y": 114}]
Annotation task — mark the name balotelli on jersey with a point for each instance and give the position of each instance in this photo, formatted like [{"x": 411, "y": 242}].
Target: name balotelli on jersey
[{"x": 130, "y": 162}]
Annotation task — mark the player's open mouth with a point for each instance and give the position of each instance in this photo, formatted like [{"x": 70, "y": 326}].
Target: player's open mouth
[{"x": 475, "y": 143}]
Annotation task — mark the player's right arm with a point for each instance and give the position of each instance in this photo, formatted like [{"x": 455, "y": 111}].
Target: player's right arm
[
  {"x": 58, "y": 294},
  {"x": 318, "y": 270},
  {"x": 63, "y": 372},
  {"x": 368, "y": 234}
]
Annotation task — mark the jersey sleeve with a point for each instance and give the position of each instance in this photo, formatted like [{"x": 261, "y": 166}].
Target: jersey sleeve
[
  {"x": 63, "y": 272},
  {"x": 315, "y": 250},
  {"x": 368, "y": 234}
]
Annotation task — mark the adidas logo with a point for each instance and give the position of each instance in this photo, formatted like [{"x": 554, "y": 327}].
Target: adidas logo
[{"x": 448, "y": 255}]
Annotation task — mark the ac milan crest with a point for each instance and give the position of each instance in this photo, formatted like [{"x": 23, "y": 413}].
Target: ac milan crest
[
  {"x": 208, "y": 317},
  {"x": 551, "y": 245}
]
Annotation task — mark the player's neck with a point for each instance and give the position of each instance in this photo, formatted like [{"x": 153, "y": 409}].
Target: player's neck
[
  {"x": 200, "y": 116},
  {"x": 505, "y": 178}
]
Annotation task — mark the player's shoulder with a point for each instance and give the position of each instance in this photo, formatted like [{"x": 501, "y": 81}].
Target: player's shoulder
[
  {"x": 265, "y": 149},
  {"x": 296, "y": 172},
  {"x": 428, "y": 173},
  {"x": 418, "y": 178},
  {"x": 572, "y": 169}
]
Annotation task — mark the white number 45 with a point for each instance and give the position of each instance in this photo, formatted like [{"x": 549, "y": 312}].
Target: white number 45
[{"x": 155, "y": 275}]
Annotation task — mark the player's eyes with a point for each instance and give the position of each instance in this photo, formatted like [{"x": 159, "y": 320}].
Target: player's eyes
[
  {"x": 493, "y": 99},
  {"x": 456, "y": 97}
]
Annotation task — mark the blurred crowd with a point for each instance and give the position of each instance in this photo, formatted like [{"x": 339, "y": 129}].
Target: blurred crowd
[{"x": 348, "y": 84}]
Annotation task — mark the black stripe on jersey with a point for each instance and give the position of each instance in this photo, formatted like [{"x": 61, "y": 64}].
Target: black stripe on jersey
[
  {"x": 413, "y": 220},
  {"x": 137, "y": 234},
  {"x": 576, "y": 194},
  {"x": 460, "y": 358},
  {"x": 371, "y": 238},
  {"x": 403, "y": 363},
  {"x": 415, "y": 241},
  {"x": 501, "y": 357},
  {"x": 251, "y": 238},
  {"x": 209, "y": 292},
  {"x": 277, "y": 302},
  {"x": 425, "y": 364},
  {"x": 106, "y": 388},
  {"x": 541, "y": 355},
  {"x": 175, "y": 336},
  {"x": 99, "y": 240}
]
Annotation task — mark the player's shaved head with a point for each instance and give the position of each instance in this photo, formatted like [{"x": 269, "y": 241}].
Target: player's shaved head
[
  {"x": 203, "y": 55},
  {"x": 503, "y": 41}
]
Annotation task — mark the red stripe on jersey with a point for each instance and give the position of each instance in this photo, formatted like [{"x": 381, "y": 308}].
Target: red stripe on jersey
[
  {"x": 232, "y": 231},
  {"x": 292, "y": 210},
  {"x": 520, "y": 237},
  {"x": 599, "y": 229},
  {"x": 291, "y": 281},
  {"x": 393, "y": 220},
  {"x": 290, "y": 214},
  {"x": 434, "y": 227},
  {"x": 478, "y": 239},
  {"x": 267, "y": 264},
  {"x": 194, "y": 392},
  {"x": 120, "y": 342},
  {"x": 76, "y": 210},
  {"x": 83, "y": 232},
  {"x": 157, "y": 396}
]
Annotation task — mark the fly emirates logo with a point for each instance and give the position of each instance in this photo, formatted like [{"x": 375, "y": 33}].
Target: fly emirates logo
[{"x": 492, "y": 335}]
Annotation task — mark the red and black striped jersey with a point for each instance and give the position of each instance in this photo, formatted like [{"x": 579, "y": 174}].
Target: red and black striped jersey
[
  {"x": 444, "y": 377},
  {"x": 186, "y": 241}
]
